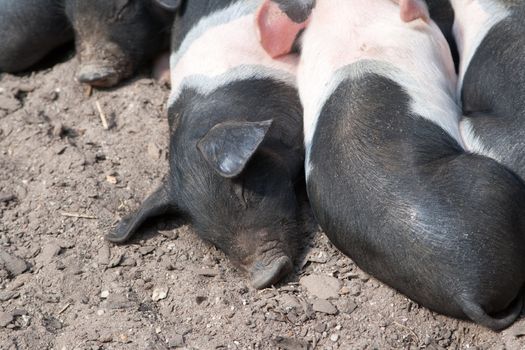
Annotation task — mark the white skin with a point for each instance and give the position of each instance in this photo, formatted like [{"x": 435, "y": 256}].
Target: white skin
[
  {"x": 225, "y": 47},
  {"x": 473, "y": 20},
  {"x": 343, "y": 32}
]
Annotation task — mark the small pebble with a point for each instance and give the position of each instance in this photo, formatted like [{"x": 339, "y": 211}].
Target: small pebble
[
  {"x": 518, "y": 330},
  {"x": 324, "y": 306},
  {"x": 103, "y": 255},
  {"x": 13, "y": 264},
  {"x": 5, "y": 318},
  {"x": 146, "y": 250},
  {"x": 6, "y": 295},
  {"x": 159, "y": 294},
  {"x": 49, "y": 251},
  {"x": 176, "y": 341},
  {"x": 324, "y": 287},
  {"x": 112, "y": 179},
  {"x": 320, "y": 327}
]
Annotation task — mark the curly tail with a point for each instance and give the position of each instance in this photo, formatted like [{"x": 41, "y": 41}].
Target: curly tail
[{"x": 476, "y": 313}]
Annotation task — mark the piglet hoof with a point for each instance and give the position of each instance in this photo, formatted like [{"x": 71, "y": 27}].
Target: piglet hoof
[
  {"x": 122, "y": 232},
  {"x": 266, "y": 276}
]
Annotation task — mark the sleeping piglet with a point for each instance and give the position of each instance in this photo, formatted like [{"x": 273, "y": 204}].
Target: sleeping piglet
[
  {"x": 388, "y": 176},
  {"x": 236, "y": 149}
]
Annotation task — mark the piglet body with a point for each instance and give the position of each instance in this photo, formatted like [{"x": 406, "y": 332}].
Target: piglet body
[
  {"x": 491, "y": 41},
  {"x": 29, "y": 30},
  {"x": 387, "y": 174},
  {"x": 235, "y": 141}
]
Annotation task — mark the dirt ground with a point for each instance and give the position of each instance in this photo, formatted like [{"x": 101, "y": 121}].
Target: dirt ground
[{"x": 65, "y": 181}]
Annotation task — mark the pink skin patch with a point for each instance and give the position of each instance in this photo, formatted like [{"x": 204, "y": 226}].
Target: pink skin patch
[
  {"x": 276, "y": 31},
  {"x": 161, "y": 69},
  {"x": 413, "y": 9}
]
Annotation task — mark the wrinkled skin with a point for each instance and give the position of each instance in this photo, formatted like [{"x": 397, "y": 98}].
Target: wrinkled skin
[
  {"x": 29, "y": 30},
  {"x": 115, "y": 37}
]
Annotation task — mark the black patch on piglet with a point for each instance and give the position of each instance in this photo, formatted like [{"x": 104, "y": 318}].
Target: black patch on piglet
[
  {"x": 297, "y": 10},
  {"x": 228, "y": 146},
  {"x": 170, "y": 5},
  {"x": 397, "y": 194},
  {"x": 236, "y": 154},
  {"x": 29, "y": 31}
]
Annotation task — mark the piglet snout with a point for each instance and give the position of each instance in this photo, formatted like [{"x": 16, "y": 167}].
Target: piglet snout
[
  {"x": 265, "y": 275},
  {"x": 98, "y": 75}
]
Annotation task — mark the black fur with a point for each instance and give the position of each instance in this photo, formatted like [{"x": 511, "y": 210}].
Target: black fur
[
  {"x": 251, "y": 216},
  {"x": 262, "y": 197},
  {"x": 191, "y": 13},
  {"x": 298, "y": 10},
  {"x": 119, "y": 34},
  {"x": 442, "y": 13},
  {"x": 29, "y": 30},
  {"x": 493, "y": 91},
  {"x": 235, "y": 155},
  {"x": 399, "y": 196}
]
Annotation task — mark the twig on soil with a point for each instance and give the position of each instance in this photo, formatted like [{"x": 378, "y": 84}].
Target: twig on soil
[
  {"x": 64, "y": 308},
  {"x": 89, "y": 90},
  {"x": 408, "y": 329},
  {"x": 80, "y": 216},
  {"x": 102, "y": 116}
]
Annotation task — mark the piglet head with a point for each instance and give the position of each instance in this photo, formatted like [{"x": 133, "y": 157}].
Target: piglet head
[
  {"x": 236, "y": 154},
  {"x": 255, "y": 208},
  {"x": 114, "y": 37},
  {"x": 229, "y": 177}
]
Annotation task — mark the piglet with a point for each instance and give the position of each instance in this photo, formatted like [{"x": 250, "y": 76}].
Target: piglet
[
  {"x": 236, "y": 151},
  {"x": 442, "y": 14},
  {"x": 388, "y": 176},
  {"x": 29, "y": 30},
  {"x": 491, "y": 41},
  {"x": 115, "y": 37}
]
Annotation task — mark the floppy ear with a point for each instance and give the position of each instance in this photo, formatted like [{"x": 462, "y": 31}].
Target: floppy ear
[
  {"x": 279, "y": 22},
  {"x": 413, "y": 9},
  {"x": 228, "y": 146},
  {"x": 170, "y": 5}
]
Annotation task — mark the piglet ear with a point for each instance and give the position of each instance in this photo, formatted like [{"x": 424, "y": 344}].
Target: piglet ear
[
  {"x": 170, "y": 5},
  {"x": 228, "y": 146},
  {"x": 279, "y": 22},
  {"x": 413, "y": 9}
]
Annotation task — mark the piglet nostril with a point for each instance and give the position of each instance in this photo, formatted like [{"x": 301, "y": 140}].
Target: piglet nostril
[
  {"x": 271, "y": 274},
  {"x": 99, "y": 76}
]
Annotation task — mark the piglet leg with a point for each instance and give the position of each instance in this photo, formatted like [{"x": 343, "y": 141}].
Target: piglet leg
[
  {"x": 161, "y": 69},
  {"x": 158, "y": 203}
]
